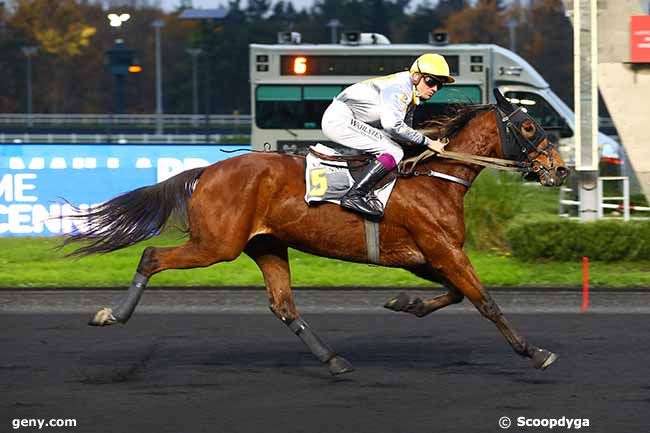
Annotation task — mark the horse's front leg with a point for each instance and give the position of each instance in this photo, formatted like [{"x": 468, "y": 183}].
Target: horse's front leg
[{"x": 457, "y": 270}]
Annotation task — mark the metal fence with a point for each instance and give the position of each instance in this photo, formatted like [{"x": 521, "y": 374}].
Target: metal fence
[
  {"x": 169, "y": 120},
  {"x": 126, "y": 139}
]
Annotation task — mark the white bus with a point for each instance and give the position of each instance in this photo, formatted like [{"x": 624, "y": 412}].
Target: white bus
[{"x": 292, "y": 84}]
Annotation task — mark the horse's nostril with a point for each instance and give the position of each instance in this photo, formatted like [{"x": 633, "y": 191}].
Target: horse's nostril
[{"x": 561, "y": 172}]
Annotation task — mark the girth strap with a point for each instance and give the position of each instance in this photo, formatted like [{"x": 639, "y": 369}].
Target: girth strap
[{"x": 372, "y": 241}]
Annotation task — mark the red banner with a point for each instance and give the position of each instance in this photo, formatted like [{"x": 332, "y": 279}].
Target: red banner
[{"x": 640, "y": 39}]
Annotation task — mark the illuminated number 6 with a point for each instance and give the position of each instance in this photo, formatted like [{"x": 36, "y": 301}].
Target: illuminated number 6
[
  {"x": 318, "y": 182},
  {"x": 300, "y": 65}
]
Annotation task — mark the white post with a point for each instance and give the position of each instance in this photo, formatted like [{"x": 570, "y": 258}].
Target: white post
[
  {"x": 585, "y": 34},
  {"x": 626, "y": 198}
]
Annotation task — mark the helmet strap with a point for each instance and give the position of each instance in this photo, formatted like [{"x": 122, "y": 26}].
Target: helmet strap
[{"x": 417, "y": 98}]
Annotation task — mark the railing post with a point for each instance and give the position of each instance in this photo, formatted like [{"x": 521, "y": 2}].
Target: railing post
[
  {"x": 599, "y": 206},
  {"x": 626, "y": 199}
]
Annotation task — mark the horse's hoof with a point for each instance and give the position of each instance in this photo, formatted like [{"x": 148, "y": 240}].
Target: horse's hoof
[
  {"x": 339, "y": 365},
  {"x": 398, "y": 303},
  {"x": 543, "y": 358},
  {"x": 103, "y": 317}
]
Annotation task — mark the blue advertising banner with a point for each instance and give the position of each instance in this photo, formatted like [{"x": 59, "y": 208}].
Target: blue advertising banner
[{"x": 37, "y": 180}]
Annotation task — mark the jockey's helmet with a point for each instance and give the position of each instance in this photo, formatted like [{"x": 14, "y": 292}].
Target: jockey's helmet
[{"x": 432, "y": 64}]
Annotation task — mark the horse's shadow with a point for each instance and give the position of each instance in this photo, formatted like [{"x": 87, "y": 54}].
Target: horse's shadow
[{"x": 393, "y": 355}]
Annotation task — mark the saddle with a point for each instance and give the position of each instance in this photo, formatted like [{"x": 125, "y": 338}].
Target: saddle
[{"x": 329, "y": 175}]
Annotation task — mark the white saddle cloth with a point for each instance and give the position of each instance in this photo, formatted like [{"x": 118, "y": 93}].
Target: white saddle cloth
[{"x": 330, "y": 180}]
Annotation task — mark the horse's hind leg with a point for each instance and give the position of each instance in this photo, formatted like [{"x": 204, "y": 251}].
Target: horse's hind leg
[
  {"x": 192, "y": 254},
  {"x": 420, "y": 308},
  {"x": 417, "y": 306},
  {"x": 273, "y": 261}
]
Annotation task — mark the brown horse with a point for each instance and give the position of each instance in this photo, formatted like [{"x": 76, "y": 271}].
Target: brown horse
[{"x": 255, "y": 204}]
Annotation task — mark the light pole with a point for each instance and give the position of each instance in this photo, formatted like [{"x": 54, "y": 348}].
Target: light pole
[
  {"x": 3, "y": 26},
  {"x": 207, "y": 17},
  {"x": 158, "y": 24},
  {"x": 512, "y": 27},
  {"x": 334, "y": 24},
  {"x": 29, "y": 51},
  {"x": 195, "y": 53}
]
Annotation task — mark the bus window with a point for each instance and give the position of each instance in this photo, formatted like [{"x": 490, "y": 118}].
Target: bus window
[
  {"x": 457, "y": 95},
  {"x": 321, "y": 93},
  {"x": 292, "y": 107},
  {"x": 437, "y": 105},
  {"x": 540, "y": 110}
]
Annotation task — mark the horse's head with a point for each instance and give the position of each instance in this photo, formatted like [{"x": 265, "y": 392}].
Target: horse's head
[{"x": 522, "y": 139}]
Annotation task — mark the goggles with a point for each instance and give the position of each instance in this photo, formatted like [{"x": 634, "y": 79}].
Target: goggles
[{"x": 432, "y": 81}]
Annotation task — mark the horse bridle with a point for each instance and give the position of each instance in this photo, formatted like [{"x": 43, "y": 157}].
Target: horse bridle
[
  {"x": 520, "y": 152},
  {"x": 521, "y": 148}
]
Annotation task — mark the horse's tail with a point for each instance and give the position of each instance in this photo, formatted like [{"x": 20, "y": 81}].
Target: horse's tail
[{"x": 135, "y": 216}]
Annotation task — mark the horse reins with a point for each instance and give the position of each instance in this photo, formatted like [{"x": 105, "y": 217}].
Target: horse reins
[{"x": 407, "y": 166}]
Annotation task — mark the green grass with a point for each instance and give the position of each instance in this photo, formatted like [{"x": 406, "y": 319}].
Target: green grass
[
  {"x": 494, "y": 201},
  {"x": 33, "y": 262}
]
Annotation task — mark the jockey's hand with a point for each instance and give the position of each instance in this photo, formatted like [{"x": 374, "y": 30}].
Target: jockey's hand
[{"x": 438, "y": 146}]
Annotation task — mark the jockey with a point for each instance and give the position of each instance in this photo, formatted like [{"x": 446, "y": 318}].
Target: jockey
[{"x": 376, "y": 116}]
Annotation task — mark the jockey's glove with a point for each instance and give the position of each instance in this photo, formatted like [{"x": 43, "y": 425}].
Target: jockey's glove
[{"x": 438, "y": 146}]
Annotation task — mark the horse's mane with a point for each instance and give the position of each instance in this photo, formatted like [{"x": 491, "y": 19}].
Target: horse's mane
[{"x": 455, "y": 118}]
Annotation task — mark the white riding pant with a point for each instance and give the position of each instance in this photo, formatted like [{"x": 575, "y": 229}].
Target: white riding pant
[{"x": 340, "y": 126}]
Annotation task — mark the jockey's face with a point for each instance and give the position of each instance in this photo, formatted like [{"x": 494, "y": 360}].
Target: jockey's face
[{"x": 427, "y": 86}]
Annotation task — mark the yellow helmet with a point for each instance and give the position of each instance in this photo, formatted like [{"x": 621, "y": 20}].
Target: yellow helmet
[{"x": 432, "y": 64}]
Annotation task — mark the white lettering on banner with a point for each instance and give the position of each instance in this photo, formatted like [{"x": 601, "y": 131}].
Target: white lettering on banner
[
  {"x": 78, "y": 163},
  {"x": 13, "y": 187},
  {"x": 16, "y": 163},
  {"x": 37, "y": 164},
  {"x": 58, "y": 163},
  {"x": 27, "y": 218},
  {"x": 169, "y": 167},
  {"x": 143, "y": 163},
  {"x": 17, "y": 215},
  {"x": 7, "y": 187},
  {"x": 20, "y": 187}
]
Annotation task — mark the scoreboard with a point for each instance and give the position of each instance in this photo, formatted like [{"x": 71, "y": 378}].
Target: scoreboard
[{"x": 359, "y": 65}]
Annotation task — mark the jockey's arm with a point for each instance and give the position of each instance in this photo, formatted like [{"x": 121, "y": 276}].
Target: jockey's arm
[{"x": 394, "y": 103}]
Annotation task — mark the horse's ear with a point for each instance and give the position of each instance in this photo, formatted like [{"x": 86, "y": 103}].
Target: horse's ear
[{"x": 502, "y": 102}]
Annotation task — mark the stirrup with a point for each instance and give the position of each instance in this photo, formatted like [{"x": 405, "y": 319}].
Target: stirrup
[{"x": 368, "y": 205}]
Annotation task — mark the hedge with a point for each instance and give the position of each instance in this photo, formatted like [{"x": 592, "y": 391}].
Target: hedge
[{"x": 564, "y": 239}]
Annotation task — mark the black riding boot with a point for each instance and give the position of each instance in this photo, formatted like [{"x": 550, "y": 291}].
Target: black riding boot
[{"x": 360, "y": 197}]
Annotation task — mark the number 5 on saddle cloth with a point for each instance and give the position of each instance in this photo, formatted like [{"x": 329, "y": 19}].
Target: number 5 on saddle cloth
[{"x": 329, "y": 175}]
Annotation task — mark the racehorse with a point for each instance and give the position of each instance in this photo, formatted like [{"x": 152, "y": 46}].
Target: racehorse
[{"x": 254, "y": 203}]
